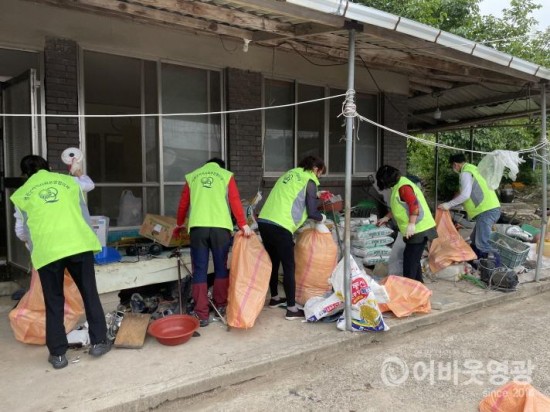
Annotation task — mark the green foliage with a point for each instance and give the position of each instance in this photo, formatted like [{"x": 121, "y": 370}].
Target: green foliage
[{"x": 421, "y": 157}]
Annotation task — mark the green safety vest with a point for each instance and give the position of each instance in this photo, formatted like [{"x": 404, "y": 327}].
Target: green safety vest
[
  {"x": 286, "y": 204},
  {"x": 53, "y": 210},
  {"x": 400, "y": 210},
  {"x": 209, "y": 197},
  {"x": 482, "y": 197}
]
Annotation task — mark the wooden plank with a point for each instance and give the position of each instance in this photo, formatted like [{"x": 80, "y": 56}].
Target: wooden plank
[
  {"x": 132, "y": 330},
  {"x": 149, "y": 15}
]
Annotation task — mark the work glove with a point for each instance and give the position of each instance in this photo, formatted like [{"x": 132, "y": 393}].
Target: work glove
[
  {"x": 247, "y": 232},
  {"x": 324, "y": 195},
  {"x": 411, "y": 227},
  {"x": 444, "y": 206},
  {"x": 383, "y": 221},
  {"x": 76, "y": 169}
]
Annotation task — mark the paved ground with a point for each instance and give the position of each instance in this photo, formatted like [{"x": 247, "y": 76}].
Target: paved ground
[
  {"x": 135, "y": 380},
  {"x": 446, "y": 367}
]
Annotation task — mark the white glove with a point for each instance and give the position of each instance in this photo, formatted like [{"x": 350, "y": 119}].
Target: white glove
[
  {"x": 75, "y": 168},
  {"x": 411, "y": 227},
  {"x": 324, "y": 219},
  {"x": 383, "y": 221},
  {"x": 444, "y": 206},
  {"x": 247, "y": 231}
]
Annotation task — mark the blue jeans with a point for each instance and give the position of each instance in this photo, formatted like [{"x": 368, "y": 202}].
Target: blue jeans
[{"x": 482, "y": 230}]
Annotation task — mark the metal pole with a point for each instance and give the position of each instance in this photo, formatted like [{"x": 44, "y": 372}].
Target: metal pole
[
  {"x": 347, "y": 200},
  {"x": 436, "y": 193},
  {"x": 544, "y": 163},
  {"x": 472, "y": 144}
]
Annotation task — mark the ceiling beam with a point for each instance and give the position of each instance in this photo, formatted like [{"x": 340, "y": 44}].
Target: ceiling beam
[
  {"x": 420, "y": 88},
  {"x": 500, "y": 98},
  {"x": 473, "y": 122},
  {"x": 431, "y": 82},
  {"x": 220, "y": 14},
  {"x": 285, "y": 9},
  {"x": 148, "y": 15}
]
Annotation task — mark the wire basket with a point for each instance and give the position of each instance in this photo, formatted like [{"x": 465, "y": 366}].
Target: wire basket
[{"x": 512, "y": 252}]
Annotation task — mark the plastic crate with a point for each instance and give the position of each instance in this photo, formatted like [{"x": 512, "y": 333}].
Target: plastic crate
[{"x": 512, "y": 252}]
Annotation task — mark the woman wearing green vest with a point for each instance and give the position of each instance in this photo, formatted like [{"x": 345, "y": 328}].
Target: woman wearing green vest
[
  {"x": 410, "y": 211},
  {"x": 210, "y": 196},
  {"x": 292, "y": 200},
  {"x": 50, "y": 208},
  {"x": 481, "y": 203}
]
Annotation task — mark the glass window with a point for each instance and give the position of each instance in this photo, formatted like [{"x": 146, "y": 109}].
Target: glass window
[
  {"x": 124, "y": 153},
  {"x": 366, "y": 143},
  {"x": 311, "y": 124},
  {"x": 279, "y": 126},
  {"x": 312, "y": 130}
]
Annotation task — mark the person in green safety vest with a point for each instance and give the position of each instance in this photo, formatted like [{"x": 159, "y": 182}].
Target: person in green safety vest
[
  {"x": 208, "y": 199},
  {"x": 53, "y": 220},
  {"x": 411, "y": 212},
  {"x": 480, "y": 202},
  {"x": 290, "y": 203}
]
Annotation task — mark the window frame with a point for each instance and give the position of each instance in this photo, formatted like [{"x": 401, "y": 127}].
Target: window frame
[
  {"x": 144, "y": 184},
  {"x": 326, "y": 144}
]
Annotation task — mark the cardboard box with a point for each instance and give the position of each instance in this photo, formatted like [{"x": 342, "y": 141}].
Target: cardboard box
[
  {"x": 100, "y": 225},
  {"x": 161, "y": 229}
]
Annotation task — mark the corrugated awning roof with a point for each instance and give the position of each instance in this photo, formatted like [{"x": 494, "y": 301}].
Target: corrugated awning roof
[{"x": 470, "y": 83}]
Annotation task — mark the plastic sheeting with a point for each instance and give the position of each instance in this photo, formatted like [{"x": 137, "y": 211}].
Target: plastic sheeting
[
  {"x": 248, "y": 281},
  {"x": 316, "y": 256},
  {"x": 407, "y": 296},
  {"x": 492, "y": 166},
  {"x": 28, "y": 318},
  {"x": 515, "y": 397},
  {"x": 449, "y": 247}
]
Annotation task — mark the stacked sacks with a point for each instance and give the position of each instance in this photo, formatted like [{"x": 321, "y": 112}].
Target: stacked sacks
[
  {"x": 370, "y": 243},
  {"x": 315, "y": 255}
]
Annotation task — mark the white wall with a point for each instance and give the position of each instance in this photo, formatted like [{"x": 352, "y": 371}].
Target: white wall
[{"x": 24, "y": 25}]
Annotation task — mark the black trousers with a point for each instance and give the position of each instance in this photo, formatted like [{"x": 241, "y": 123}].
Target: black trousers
[
  {"x": 81, "y": 268},
  {"x": 412, "y": 254},
  {"x": 279, "y": 244}
]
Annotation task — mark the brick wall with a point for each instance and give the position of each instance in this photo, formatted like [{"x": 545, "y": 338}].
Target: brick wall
[
  {"x": 395, "y": 117},
  {"x": 61, "y": 95},
  {"x": 244, "y": 130}
]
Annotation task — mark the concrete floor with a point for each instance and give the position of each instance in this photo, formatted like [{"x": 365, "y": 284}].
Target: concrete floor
[{"x": 139, "y": 379}]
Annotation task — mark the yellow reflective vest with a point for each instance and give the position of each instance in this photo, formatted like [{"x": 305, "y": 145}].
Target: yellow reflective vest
[
  {"x": 53, "y": 209},
  {"x": 482, "y": 197},
  {"x": 208, "y": 186},
  {"x": 400, "y": 210},
  {"x": 286, "y": 204}
]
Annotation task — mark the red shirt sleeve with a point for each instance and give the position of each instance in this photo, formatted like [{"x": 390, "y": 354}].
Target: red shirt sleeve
[
  {"x": 235, "y": 203},
  {"x": 184, "y": 205},
  {"x": 406, "y": 193}
]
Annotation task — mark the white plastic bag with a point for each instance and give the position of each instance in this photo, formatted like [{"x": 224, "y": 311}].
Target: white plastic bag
[
  {"x": 318, "y": 307},
  {"x": 365, "y": 295},
  {"x": 492, "y": 166},
  {"x": 129, "y": 212}
]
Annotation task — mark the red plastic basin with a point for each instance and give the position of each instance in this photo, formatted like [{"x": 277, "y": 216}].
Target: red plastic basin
[{"x": 174, "y": 329}]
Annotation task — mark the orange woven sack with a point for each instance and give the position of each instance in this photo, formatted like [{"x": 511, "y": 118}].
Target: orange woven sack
[
  {"x": 515, "y": 397},
  {"x": 449, "y": 247},
  {"x": 28, "y": 318},
  {"x": 406, "y": 296},
  {"x": 248, "y": 281},
  {"x": 315, "y": 254}
]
